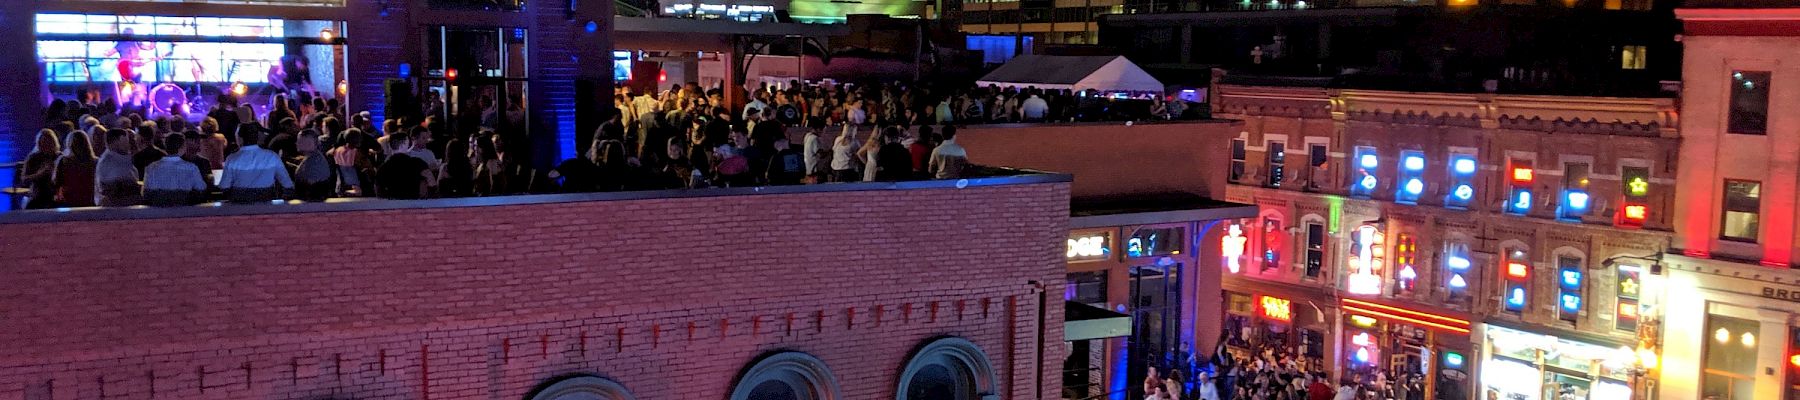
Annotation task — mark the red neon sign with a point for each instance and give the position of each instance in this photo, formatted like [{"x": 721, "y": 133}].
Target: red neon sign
[
  {"x": 1636, "y": 212},
  {"x": 1517, "y": 270},
  {"x": 1277, "y": 308},
  {"x": 1408, "y": 316},
  {"x": 1521, "y": 175}
]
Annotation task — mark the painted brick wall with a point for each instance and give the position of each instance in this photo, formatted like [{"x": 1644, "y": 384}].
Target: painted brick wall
[{"x": 670, "y": 297}]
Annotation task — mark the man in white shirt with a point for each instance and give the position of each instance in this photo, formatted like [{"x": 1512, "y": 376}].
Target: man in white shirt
[
  {"x": 115, "y": 177},
  {"x": 420, "y": 140},
  {"x": 1034, "y": 107},
  {"x": 949, "y": 158},
  {"x": 172, "y": 181},
  {"x": 253, "y": 174},
  {"x": 756, "y": 103},
  {"x": 810, "y": 150}
]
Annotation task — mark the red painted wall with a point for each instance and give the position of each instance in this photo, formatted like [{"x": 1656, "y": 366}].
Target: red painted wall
[{"x": 670, "y": 297}]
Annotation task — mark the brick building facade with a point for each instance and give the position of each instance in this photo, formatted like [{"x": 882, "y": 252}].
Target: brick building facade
[
  {"x": 1442, "y": 224},
  {"x": 665, "y": 298}
]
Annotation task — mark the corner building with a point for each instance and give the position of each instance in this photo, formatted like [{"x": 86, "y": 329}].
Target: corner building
[
  {"x": 1732, "y": 289},
  {"x": 1493, "y": 245},
  {"x": 938, "y": 290}
]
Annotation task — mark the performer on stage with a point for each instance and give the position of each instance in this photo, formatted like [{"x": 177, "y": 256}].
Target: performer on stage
[{"x": 130, "y": 53}]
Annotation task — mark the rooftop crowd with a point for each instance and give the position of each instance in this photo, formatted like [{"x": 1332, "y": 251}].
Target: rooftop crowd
[{"x": 93, "y": 152}]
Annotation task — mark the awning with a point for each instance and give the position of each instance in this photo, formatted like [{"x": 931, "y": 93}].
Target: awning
[{"x": 1085, "y": 322}]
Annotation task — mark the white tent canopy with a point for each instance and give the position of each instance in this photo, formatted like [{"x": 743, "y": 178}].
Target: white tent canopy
[{"x": 1103, "y": 73}]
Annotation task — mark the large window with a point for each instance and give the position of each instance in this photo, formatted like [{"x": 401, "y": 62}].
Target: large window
[
  {"x": 1515, "y": 271},
  {"x": 1521, "y": 176},
  {"x": 1575, "y": 199},
  {"x": 1749, "y": 103},
  {"x": 1729, "y": 368},
  {"x": 1462, "y": 181},
  {"x": 1743, "y": 208},
  {"x": 1274, "y": 240},
  {"x": 1237, "y": 159},
  {"x": 1411, "y": 177},
  {"x": 1362, "y": 176},
  {"x": 1630, "y": 285},
  {"x": 1277, "y": 164},
  {"x": 1568, "y": 284},
  {"x": 1315, "y": 249},
  {"x": 1146, "y": 242},
  {"x": 1457, "y": 268},
  {"x": 1317, "y": 155},
  {"x": 1087, "y": 288}
]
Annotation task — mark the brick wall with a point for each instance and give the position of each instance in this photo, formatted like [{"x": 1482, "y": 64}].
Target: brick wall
[{"x": 670, "y": 297}]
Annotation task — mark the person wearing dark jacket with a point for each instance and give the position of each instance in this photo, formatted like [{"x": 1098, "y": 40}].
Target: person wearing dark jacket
[{"x": 893, "y": 159}]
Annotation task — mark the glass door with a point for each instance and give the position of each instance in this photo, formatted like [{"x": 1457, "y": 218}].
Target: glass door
[{"x": 1156, "y": 316}]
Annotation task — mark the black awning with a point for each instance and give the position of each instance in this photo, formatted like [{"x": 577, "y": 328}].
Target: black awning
[{"x": 1085, "y": 322}]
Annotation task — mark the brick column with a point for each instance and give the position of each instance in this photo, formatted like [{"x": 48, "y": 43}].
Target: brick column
[{"x": 21, "y": 89}]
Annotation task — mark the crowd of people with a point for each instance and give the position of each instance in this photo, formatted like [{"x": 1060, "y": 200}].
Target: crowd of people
[
  {"x": 93, "y": 152},
  {"x": 1270, "y": 372}
]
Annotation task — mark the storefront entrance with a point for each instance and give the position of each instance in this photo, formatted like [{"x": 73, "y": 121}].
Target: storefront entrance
[
  {"x": 1531, "y": 366},
  {"x": 1156, "y": 315}
]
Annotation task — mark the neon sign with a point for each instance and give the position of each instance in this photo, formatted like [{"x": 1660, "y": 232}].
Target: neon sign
[
  {"x": 1093, "y": 247},
  {"x": 1365, "y": 261},
  {"x": 1364, "y": 174},
  {"x": 1231, "y": 248},
  {"x": 1413, "y": 165},
  {"x": 1277, "y": 308}
]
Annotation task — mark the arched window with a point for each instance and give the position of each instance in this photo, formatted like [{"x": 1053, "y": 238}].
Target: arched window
[
  {"x": 948, "y": 369},
  {"x": 582, "y": 387},
  {"x": 788, "y": 375}
]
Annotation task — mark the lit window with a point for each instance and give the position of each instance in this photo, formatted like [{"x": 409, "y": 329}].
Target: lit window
[
  {"x": 1515, "y": 294},
  {"x": 1568, "y": 283},
  {"x": 1728, "y": 368},
  {"x": 1362, "y": 177},
  {"x": 1277, "y": 164},
  {"x": 1457, "y": 266},
  {"x": 1575, "y": 202},
  {"x": 1636, "y": 208},
  {"x": 1411, "y": 177},
  {"x": 1749, "y": 103},
  {"x": 1462, "y": 181},
  {"x": 1315, "y": 250},
  {"x": 1630, "y": 284},
  {"x": 1274, "y": 239},
  {"x": 1631, "y": 57},
  {"x": 1406, "y": 274},
  {"x": 1519, "y": 199},
  {"x": 1365, "y": 262},
  {"x": 1743, "y": 209}
]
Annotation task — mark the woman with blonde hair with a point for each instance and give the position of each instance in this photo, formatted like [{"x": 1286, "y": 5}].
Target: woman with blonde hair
[
  {"x": 74, "y": 175},
  {"x": 40, "y": 168},
  {"x": 866, "y": 153}
]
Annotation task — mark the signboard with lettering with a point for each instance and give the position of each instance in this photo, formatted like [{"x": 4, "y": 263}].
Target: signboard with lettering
[
  {"x": 1781, "y": 294},
  {"x": 1090, "y": 247},
  {"x": 1276, "y": 308}
]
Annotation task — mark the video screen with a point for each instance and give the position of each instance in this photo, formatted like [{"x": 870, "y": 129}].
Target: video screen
[
  {"x": 135, "y": 61},
  {"x": 171, "y": 63}
]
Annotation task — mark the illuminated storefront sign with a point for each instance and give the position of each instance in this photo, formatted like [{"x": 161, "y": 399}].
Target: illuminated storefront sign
[
  {"x": 736, "y": 12},
  {"x": 1231, "y": 248},
  {"x": 1511, "y": 368},
  {"x": 1462, "y": 181},
  {"x": 1366, "y": 258},
  {"x": 1412, "y": 183},
  {"x": 1370, "y": 310},
  {"x": 1405, "y": 254},
  {"x": 1089, "y": 247},
  {"x": 1276, "y": 308}
]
